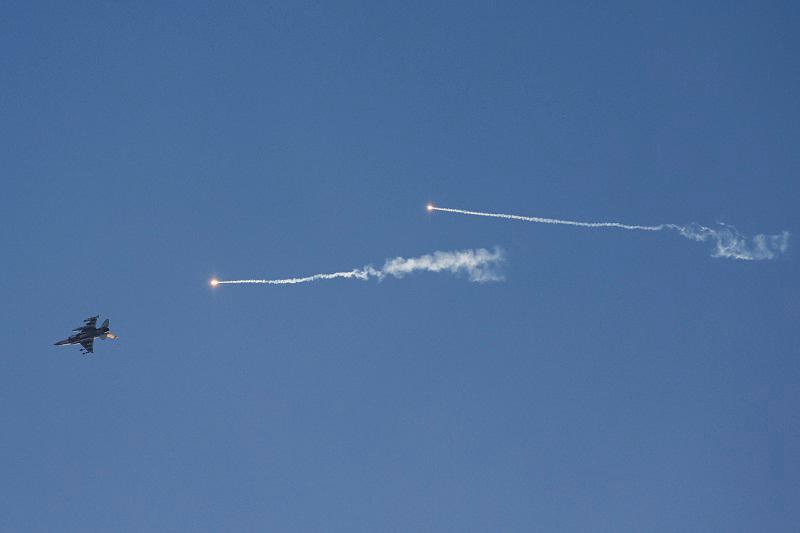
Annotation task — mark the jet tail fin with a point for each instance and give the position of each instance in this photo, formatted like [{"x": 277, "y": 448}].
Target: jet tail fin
[{"x": 105, "y": 323}]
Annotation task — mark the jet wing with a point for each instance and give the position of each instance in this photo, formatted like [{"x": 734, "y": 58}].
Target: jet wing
[
  {"x": 88, "y": 345},
  {"x": 90, "y": 322}
]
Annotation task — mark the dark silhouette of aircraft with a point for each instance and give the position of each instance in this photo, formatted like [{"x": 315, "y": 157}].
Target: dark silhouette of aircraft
[{"x": 87, "y": 333}]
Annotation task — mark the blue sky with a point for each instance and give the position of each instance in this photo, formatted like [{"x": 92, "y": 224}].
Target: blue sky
[{"x": 615, "y": 381}]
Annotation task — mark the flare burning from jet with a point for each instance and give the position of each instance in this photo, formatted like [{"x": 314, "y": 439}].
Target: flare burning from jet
[
  {"x": 728, "y": 242},
  {"x": 478, "y": 265}
]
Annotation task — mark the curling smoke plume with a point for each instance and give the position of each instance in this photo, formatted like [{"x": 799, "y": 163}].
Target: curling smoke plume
[
  {"x": 728, "y": 242},
  {"x": 479, "y": 265}
]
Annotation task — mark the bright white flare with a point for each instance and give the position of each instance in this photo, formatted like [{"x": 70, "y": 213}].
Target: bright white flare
[
  {"x": 479, "y": 265},
  {"x": 729, "y": 243}
]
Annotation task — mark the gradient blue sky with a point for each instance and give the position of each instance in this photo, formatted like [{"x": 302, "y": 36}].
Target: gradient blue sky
[{"x": 615, "y": 381}]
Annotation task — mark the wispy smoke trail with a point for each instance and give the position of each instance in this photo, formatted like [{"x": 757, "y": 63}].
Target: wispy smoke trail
[
  {"x": 479, "y": 265},
  {"x": 359, "y": 274},
  {"x": 728, "y": 242}
]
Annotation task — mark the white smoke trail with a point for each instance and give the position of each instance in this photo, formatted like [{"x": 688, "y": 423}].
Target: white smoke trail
[
  {"x": 479, "y": 265},
  {"x": 358, "y": 274},
  {"x": 729, "y": 243}
]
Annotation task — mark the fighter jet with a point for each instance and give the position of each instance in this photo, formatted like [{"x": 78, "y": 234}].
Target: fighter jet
[{"x": 86, "y": 334}]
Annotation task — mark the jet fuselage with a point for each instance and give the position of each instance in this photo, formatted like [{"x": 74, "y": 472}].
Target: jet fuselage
[{"x": 86, "y": 335}]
